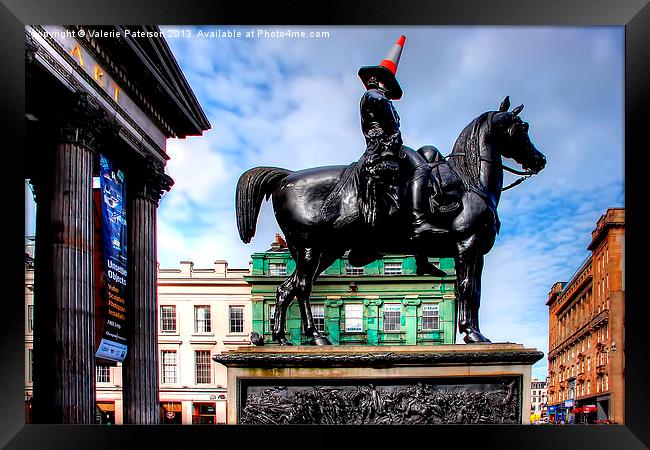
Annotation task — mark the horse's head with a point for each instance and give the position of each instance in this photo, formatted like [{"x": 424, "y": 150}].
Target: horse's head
[{"x": 511, "y": 134}]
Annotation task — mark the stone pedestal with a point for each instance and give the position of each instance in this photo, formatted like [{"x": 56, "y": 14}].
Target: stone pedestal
[{"x": 380, "y": 385}]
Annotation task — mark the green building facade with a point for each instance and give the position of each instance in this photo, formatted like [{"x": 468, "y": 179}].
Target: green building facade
[{"x": 383, "y": 303}]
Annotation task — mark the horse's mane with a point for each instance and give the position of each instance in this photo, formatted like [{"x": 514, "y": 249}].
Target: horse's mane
[{"x": 467, "y": 147}]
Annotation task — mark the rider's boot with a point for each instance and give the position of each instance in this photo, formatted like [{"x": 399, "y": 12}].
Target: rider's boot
[{"x": 418, "y": 216}]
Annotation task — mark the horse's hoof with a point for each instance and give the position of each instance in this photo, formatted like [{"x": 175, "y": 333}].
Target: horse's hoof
[
  {"x": 474, "y": 337},
  {"x": 320, "y": 340},
  {"x": 283, "y": 341},
  {"x": 429, "y": 269}
]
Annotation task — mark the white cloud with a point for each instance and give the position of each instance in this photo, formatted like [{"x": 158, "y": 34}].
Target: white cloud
[{"x": 198, "y": 170}]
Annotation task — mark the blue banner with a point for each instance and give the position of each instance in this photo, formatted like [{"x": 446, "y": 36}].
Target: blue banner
[{"x": 113, "y": 344}]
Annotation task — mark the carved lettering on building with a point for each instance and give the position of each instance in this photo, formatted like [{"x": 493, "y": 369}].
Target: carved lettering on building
[{"x": 92, "y": 68}]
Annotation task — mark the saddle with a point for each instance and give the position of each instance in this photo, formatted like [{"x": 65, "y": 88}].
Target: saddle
[
  {"x": 451, "y": 185},
  {"x": 445, "y": 185}
]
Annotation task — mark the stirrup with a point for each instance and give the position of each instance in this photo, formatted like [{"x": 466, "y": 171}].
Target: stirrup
[
  {"x": 424, "y": 227},
  {"x": 448, "y": 209}
]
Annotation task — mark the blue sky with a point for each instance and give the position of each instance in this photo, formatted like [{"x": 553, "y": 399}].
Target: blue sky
[{"x": 293, "y": 103}]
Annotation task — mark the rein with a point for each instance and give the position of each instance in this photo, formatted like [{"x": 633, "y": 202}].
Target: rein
[{"x": 526, "y": 174}]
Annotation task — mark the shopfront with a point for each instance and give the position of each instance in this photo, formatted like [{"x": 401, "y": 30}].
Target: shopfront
[
  {"x": 585, "y": 413},
  {"x": 204, "y": 413},
  {"x": 105, "y": 413},
  {"x": 569, "y": 405},
  {"x": 28, "y": 409},
  {"x": 171, "y": 413},
  {"x": 602, "y": 408},
  {"x": 558, "y": 414},
  {"x": 591, "y": 410}
]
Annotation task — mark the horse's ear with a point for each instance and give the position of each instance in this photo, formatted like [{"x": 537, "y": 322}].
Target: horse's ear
[
  {"x": 517, "y": 110},
  {"x": 505, "y": 104}
]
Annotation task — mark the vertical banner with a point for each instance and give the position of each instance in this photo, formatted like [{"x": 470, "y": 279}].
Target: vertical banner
[
  {"x": 113, "y": 343},
  {"x": 98, "y": 265}
]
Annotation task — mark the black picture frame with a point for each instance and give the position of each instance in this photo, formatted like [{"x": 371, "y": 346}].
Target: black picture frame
[{"x": 634, "y": 15}]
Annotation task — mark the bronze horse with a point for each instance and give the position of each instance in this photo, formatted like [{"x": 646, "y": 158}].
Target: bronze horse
[{"x": 318, "y": 211}]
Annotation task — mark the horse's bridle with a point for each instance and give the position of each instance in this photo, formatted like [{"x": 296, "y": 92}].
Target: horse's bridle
[{"x": 526, "y": 174}]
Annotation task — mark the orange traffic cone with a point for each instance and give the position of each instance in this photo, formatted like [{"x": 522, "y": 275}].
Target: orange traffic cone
[{"x": 386, "y": 70}]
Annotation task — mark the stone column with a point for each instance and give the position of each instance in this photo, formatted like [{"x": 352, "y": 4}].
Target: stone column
[
  {"x": 64, "y": 317},
  {"x": 333, "y": 312},
  {"x": 411, "y": 303},
  {"x": 372, "y": 320},
  {"x": 145, "y": 184}
]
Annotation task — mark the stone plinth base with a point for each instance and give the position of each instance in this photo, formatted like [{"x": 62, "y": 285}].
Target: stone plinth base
[{"x": 379, "y": 385}]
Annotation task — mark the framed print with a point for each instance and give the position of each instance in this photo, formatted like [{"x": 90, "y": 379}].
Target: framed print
[{"x": 200, "y": 112}]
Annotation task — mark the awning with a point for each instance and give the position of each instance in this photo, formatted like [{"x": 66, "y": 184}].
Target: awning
[{"x": 106, "y": 406}]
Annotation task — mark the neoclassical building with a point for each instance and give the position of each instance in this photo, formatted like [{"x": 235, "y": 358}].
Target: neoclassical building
[
  {"x": 586, "y": 370},
  {"x": 116, "y": 96}
]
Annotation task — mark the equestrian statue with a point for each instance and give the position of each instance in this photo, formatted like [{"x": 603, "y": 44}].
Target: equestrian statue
[{"x": 393, "y": 200}]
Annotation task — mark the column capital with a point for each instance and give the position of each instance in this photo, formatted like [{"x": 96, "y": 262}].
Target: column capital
[
  {"x": 108, "y": 131},
  {"x": 333, "y": 303},
  {"x": 82, "y": 124},
  {"x": 79, "y": 122},
  {"x": 149, "y": 180}
]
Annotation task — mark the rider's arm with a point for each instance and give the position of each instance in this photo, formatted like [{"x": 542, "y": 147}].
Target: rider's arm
[{"x": 386, "y": 124}]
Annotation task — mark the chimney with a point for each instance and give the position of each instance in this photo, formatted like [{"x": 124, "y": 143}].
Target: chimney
[
  {"x": 279, "y": 244},
  {"x": 186, "y": 269},
  {"x": 220, "y": 268}
]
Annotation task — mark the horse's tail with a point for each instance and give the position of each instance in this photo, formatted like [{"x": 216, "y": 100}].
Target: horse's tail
[{"x": 252, "y": 186}]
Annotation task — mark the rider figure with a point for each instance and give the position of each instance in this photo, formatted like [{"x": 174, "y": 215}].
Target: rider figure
[{"x": 380, "y": 126}]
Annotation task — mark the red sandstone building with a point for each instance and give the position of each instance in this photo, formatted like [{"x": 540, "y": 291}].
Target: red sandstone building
[{"x": 586, "y": 377}]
